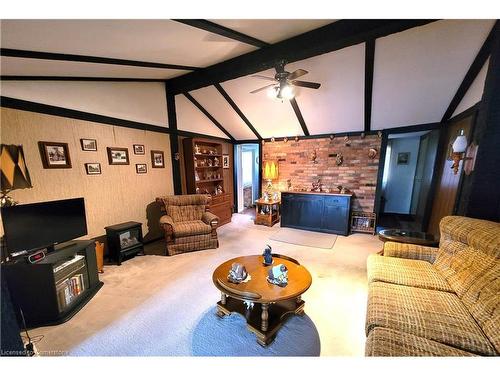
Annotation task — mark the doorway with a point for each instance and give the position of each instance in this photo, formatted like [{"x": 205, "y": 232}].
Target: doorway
[
  {"x": 247, "y": 176},
  {"x": 407, "y": 179}
]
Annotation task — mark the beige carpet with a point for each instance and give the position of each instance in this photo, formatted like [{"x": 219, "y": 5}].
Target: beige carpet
[
  {"x": 304, "y": 238},
  {"x": 178, "y": 291}
]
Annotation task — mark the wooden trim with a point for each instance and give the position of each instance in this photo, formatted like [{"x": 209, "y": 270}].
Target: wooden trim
[
  {"x": 10, "y": 52},
  {"x": 236, "y": 108},
  {"x": 222, "y": 30},
  {"x": 472, "y": 73},
  {"x": 210, "y": 117},
  {"x": 260, "y": 168},
  {"x": 300, "y": 118},
  {"x": 468, "y": 112},
  {"x": 77, "y": 79},
  {"x": 369, "y": 61},
  {"x": 332, "y": 37},
  {"x": 380, "y": 174},
  {"x": 174, "y": 143}
]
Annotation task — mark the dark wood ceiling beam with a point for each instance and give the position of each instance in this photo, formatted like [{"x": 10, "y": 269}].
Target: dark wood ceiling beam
[
  {"x": 206, "y": 113},
  {"x": 9, "y": 52},
  {"x": 369, "y": 61},
  {"x": 300, "y": 118},
  {"x": 331, "y": 37},
  {"x": 223, "y": 31},
  {"x": 237, "y": 109},
  {"x": 472, "y": 73},
  {"x": 95, "y": 79}
]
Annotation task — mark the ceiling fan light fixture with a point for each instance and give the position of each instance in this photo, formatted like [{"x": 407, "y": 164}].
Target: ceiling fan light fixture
[{"x": 287, "y": 92}]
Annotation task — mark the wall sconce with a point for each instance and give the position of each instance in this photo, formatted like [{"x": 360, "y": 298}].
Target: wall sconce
[{"x": 460, "y": 151}]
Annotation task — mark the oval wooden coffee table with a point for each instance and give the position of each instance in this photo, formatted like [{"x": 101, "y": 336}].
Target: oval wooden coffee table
[{"x": 265, "y": 306}]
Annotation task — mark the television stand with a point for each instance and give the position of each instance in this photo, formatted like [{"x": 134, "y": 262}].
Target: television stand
[{"x": 54, "y": 289}]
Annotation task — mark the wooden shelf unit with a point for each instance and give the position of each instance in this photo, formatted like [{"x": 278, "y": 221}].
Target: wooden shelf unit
[{"x": 198, "y": 153}]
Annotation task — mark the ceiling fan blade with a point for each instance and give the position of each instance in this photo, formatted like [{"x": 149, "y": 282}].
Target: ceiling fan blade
[
  {"x": 262, "y": 88},
  {"x": 298, "y": 73},
  {"x": 309, "y": 85},
  {"x": 264, "y": 77}
]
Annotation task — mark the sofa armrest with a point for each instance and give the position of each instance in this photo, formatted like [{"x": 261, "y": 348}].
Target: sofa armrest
[
  {"x": 166, "y": 220},
  {"x": 410, "y": 251},
  {"x": 210, "y": 219}
]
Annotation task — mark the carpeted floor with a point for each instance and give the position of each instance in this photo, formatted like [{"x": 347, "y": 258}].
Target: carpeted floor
[{"x": 158, "y": 305}]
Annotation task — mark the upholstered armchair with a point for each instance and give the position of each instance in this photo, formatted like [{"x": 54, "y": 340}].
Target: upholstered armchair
[{"x": 188, "y": 223}]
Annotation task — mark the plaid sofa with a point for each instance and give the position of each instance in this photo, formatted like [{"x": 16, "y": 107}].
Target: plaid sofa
[
  {"x": 188, "y": 223},
  {"x": 444, "y": 301}
]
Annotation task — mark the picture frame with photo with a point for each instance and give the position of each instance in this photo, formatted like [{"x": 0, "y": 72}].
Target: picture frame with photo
[
  {"x": 118, "y": 156},
  {"x": 141, "y": 168},
  {"x": 139, "y": 150},
  {"x": 93, "y": 168},
  {"x": 88, "y": 144},
  {"x": 225, "y": 161},
  {"x": 157, "y": 159},
  {"x": 54, "y": 154},
  {"x": 403, "y": 158}
]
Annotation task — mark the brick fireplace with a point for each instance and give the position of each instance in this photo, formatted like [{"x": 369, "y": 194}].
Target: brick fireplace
[{"x": 358, "y": 172}]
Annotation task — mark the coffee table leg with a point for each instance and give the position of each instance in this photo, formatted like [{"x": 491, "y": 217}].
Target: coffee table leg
[
  {"x": 223, "y": 298},
  {"x": 264, "y": 316},
  {"x": 221, "y": 313}
]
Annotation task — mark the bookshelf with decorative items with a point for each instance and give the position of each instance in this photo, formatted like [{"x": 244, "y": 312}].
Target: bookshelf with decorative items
[{"x": 204, "y": 174}]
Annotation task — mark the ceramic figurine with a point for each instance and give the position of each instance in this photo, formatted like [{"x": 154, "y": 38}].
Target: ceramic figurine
[
  {"x": 197, "y": 149},
  {"x": 216, "y": 162},
  {"x": 219, "y": 190},
  {"x": 196, "y": 177},
  {"x": 197, "y": 190},
  {"x": 209, "y": 162},
  {"x": 275, "y": 196},
  {"x": 314, "y": 156},
  {"x": 317, "y": 186},
  {"x": 237, "y": 273},
  {"x": 195, "y": 162},
  {"x": 278, "y": 275},
  {"x": 268, "y": 258},
  {"x": 339, "y": 159}
]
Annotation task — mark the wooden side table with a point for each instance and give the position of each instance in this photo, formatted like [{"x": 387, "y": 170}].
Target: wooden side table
[{"x": 267, "y": 212}]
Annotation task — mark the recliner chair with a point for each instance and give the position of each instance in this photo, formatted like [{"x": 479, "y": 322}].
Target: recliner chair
[{"x": 188, "y": 223}]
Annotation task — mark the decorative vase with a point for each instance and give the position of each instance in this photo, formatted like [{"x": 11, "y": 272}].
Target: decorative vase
[{"x": 99, "y": 252}]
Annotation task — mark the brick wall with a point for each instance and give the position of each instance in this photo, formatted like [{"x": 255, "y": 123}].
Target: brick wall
[{"x": 358, "y": 171}]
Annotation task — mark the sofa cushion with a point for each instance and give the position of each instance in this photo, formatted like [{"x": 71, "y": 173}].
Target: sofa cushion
[
  {"x": 417, "y": 273},
  {"x": 185, "y": 213},
  {"x": 432, "y": 314},
  {"x": 190, "y": 228},
  {"x": 386, "y": 342}
]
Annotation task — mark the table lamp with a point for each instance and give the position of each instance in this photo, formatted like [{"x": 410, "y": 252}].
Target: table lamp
[
  {"x": 14, "y": 173},
  {"x": 270, "y": 174}
]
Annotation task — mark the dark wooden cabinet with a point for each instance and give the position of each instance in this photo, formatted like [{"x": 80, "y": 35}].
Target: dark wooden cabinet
[
  {"x": 319, "y": 212},
  {"x": 54, "y": 289}
]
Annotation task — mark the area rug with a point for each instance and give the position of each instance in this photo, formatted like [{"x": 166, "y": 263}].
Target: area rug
[
  {"x": 228, "y": 336},
  {"x": 305, "y": 238}
]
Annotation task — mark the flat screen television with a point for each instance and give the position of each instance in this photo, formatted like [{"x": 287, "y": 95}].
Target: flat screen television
[{"x": 29, "y": 227}]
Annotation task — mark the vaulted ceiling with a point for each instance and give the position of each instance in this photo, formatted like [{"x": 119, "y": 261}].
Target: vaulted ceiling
[{"x": 415, "y": 73}]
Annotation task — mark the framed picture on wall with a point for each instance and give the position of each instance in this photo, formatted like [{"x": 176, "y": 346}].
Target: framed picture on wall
[
  {"x": 225, "y": 161},
  {"x": 139, "y": 150},
  {"x": 88, "y": 144},
  {"x": 403, "y": 157},
  {"x": 118, "y": 156},
  {"x": 54, "y": 154},
  {"x": 141, "y": 168},
  {"x": 157, "y": 159},
  {"x": 93, "y": 168}
]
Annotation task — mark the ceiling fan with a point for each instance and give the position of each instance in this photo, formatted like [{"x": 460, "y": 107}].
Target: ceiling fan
[{"x": 284, "y": 81}]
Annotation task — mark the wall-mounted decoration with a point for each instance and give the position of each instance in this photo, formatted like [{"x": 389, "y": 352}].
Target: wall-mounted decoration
[
  {"x": 296, "y": 138},
  {"x": 285, "y": 139},
  {"x": 118, "y": 156},
  {"x": 88, "y": 144},
  {"x": 372, "y": 153},
  {"x": 362, "y": 135},
  {"x": 54, "y": 154},
  {"x": 403, "y": 157},
  {"x": 339, "y": 159},
  {"x": 225, "y": 161},
  {"x": 272, "y": 139},
  {"x": 93, "y": 168},
  {"x": 332, "y": 137},
  {"x": 139, "y": 150},
  {"x": 314, "y": 156},
  {"x": 157, "y": 159},
  {"x": 347, "y": 141},
  {"x": 141, "y": 168}
]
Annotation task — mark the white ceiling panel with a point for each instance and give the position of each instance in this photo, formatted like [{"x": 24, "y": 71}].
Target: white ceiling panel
[
  {"x": 270, "y": 117},
  {"x": 191, "y": 119},
  {"x": 163, "y": 41},
  {"x": 36, "y": 67},
  {"x": 338, "y": 105},
  {"x": 135, "y": 101},
  {"x": 273, "y": 30},
  {"x": 220, "y": 109},
  {"x": 418, "y": 71},
  {"x": 475, "y": 92}
]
